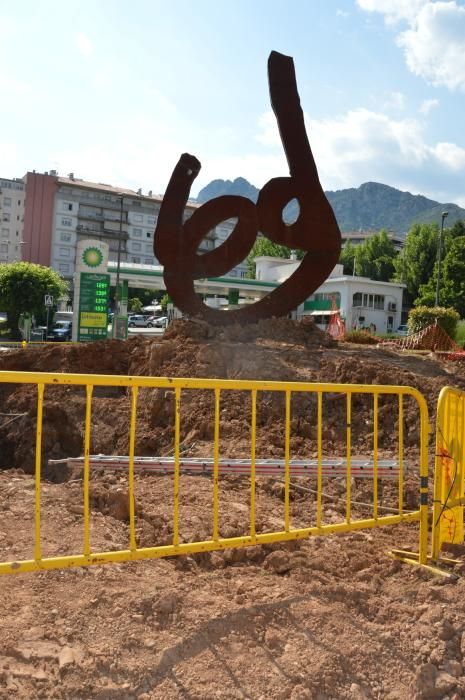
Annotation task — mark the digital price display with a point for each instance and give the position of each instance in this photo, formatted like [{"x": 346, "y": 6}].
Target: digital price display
[{"x": 93, "y": 306}]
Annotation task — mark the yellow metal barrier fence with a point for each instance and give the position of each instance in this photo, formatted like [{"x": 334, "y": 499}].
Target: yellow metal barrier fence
[
  {"x": 254, "y": 389},
  {"x": 449, "y": 472}
]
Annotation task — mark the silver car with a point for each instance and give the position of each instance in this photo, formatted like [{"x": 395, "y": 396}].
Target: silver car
[{"x": 140, "y": 321}]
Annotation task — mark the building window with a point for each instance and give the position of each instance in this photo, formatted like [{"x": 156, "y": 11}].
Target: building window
[
  {"x": 148, "y": 261},
  {"x": 136, "y": 246},
  {"x": 66, "y": 222},
  {"x": 148, "y": 234},
  {"x": 64, "y": 252},
  {"x": 151, "y": 220},
  {"x": 65, "y": 237},
  {"x": 4, "y": 247},
  {"x": 5, "y": 216},
  {"x": 5, "y": 232},
  {"x": 148, "y": 248},
  {"x": 137, "y": 232},
  {"x": 63, "y": 267},
  {"x": 328, "y": 296},
  {"x": 137, "y": 217},
  {"x": 67, "y": 206},
  {"x": 135, "y": 260},
  {"x": 370, "y": 301},
  {"x": 7, "y": 201}
]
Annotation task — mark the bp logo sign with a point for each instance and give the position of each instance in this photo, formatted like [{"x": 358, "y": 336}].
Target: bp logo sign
[{"x": 92, "y": 257}]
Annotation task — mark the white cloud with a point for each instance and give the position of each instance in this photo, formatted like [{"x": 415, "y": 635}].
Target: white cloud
[
  {"x": 427, "y": 105},
  {"x": 434, "y": 43},
  {"x": 363, "y": 145},
  {"x": 451, "y": 156},
  {"x": 84, "y": 45},
  {"x": 394, "y": 100},
  {"x": 393, "y": 10},
  {"x": 434, "y": 46},
  {"x": 342, "y": 13}
]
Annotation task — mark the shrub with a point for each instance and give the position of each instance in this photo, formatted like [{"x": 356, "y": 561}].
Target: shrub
[
  {"x": 424, "y": 316},
  {"x": 361, "y": 337}
]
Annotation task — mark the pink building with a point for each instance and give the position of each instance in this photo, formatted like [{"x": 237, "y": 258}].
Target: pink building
[{"x": 38, "y": 217}]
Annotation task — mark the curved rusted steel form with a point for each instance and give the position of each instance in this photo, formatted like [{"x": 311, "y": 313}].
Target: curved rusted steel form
[{"x": 315, "y": 230}]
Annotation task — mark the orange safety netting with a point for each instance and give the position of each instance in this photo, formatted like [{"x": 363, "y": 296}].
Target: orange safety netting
[
  {"x": 432, "y": 338},
  {"x": 336, "y": 326}
]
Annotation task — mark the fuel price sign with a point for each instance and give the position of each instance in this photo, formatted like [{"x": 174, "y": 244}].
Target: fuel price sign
[{"x": 93, "y": 306}]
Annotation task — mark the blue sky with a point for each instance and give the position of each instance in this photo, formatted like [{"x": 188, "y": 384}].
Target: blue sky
[{"x": 115, "y": 91}]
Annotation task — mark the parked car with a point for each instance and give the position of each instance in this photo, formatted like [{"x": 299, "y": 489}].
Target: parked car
[
  {"x": 62, "y": 330},
  {"x": 157, "y": 322},
  {"x": 402, "y": 330},
  {"x": 139, "y": 321}
]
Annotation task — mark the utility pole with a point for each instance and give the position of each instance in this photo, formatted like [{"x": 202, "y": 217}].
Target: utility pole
[
  {"x": 443, "y": 216},
  {"x": 118, "y": 265}
]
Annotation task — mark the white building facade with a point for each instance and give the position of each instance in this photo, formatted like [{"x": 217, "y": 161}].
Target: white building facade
[
  {"x": 361, "y": 302},
  {"x": 11, "y": 219}
]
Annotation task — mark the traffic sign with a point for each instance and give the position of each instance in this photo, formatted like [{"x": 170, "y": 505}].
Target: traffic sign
[{"x": 48, "y": 300}]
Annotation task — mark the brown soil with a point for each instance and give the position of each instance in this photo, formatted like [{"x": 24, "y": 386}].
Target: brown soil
[{"x": 325, "y": 618}]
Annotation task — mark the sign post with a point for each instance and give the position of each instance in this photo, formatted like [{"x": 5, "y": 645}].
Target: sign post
[
  {"x": 48, "y": 301},
  {"x": 91, "y": 291},
  {"x": 94, "y": 292}
]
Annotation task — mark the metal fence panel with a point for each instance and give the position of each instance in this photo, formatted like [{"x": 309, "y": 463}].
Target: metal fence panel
[{"x": 254, "y": 389}]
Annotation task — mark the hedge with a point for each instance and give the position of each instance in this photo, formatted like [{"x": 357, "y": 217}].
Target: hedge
[{"x": 424, "y": 316}]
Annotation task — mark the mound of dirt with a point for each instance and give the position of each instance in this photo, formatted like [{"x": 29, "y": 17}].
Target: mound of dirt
[
  {"x": 279, "y": 349},
  {"x": 322, "y": 619}
]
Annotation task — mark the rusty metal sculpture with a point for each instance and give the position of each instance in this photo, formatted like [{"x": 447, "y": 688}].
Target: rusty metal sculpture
[{"x": 315, "y": 231}]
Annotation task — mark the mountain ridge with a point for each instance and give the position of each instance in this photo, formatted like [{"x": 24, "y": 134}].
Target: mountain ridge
[{"x": 372, "y": 206}]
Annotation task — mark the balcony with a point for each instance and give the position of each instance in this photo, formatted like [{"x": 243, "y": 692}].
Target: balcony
[
  {"x": 87, "y": 229},
  {"x": 320, "y": 305}
]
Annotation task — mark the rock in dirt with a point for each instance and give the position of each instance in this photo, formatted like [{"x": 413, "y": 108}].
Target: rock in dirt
[
  {"x": 167, "y": 604},
  {"x": 444, "y": 683},
  {"x": 280, "y": 562},
  {"x": 424, "y": 682},
  {"x": 454, "y": 668},
  {"x": 273, "y": 638},
  {"x": 358, "y": 693},
  {"x": 446, "y": 630},
  {"x": 300, "y": 692},
  {"x": 67, "y": 657},
  {"x": 430, "y": 683}
]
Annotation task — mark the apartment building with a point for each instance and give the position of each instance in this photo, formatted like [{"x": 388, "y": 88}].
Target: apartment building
[
  {"x": 11, "y": 219},
  {"x": 60, "y": 211},
  {"x": 358, "y": 237}
]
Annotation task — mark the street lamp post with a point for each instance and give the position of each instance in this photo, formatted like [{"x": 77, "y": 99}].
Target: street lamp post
[
  {"x": 438, "y": 283},
  {"x": 118, "y": 265}
]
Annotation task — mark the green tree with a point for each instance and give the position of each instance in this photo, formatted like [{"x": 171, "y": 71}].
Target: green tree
[
  {"x": 375, "y": 257},
  {"x": 415, "y": 263},
  {"x": 452, "y": 285},
  {"x": 164, "y": 301},
  {"x": 135, "y": 305},
  {"x": 23, "y": 287},
  {"x": 347, "y": 258},
  {"x": 263, "y": 246}
]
